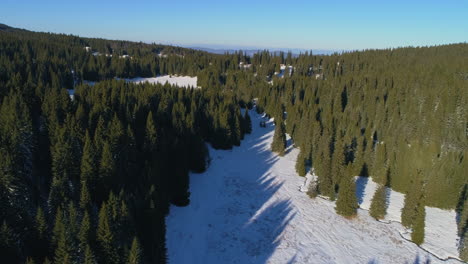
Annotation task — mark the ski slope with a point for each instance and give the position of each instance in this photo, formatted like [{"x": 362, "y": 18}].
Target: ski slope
[{"x": 248, "y": 208}]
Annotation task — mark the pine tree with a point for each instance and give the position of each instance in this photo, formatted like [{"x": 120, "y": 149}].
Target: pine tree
[
  {"x": 106, "y": 171},
  {"x": 413, "y": 198},
  {"x": 378, "y": 208},
  {"x": 346, "y": 204},
  {"x": 134, "y": 256},
  {"x": 151, "y": 135},
  {"x": 279, "y": 139},
  {"x": 63, "y": 250},
  {"x": 105, "y": 238},
  {"x": 88, "y": 256},
  {"x": 85, "y": 197},
  {"x": 84, "y": 234},
  {"x": 88, "y": 164},
  {"x": 301, "y": 162},
  {"x": 41, "y": 224},
  {"x": 464, "y": 247},
  {"x": 59, "y": 227},
  {"x": 463, "y": 221},
  {"x": 417, "y": 235}
]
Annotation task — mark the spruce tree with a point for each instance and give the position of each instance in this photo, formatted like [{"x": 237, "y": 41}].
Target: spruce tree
[
  {"x": 413, "y": 198},
  {"x": 463, "y": 220},
  {"x": 85, "y": 197},
  {"x": 106, "y": 238},
  {"x": 378, "y": 208},
  {"x": 301, "y": 162},
  {"x": 106, "y": 171},
  {"x": 464, "y": 247},
  {"x": 151, "y": 135},
  {"x": 41, "y": 225},
  {"x": 88, "y": 257},
  {"x": 63, "y": 251},
  {"x": 84, "y": 234},
  {"x": 88, "y": 164},
  {"x": 59, "y": 227},
  {"x": 417, "y": 235},
  {"x": 279, "y": 139},
  {"x": 134, "y": 256},
  {"x": 346, "y": 204}
]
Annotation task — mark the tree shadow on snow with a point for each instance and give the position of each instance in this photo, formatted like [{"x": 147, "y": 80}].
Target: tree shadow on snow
[
  {"x": 252, "y": 219},
  {"x": 361, "y": 183}
]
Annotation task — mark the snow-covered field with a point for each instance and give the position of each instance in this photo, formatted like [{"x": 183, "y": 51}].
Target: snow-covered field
[
  {"x": 440, "y": 238},
  {"x": 248, "y": 208},
  {"x": 181, "y": 81}
]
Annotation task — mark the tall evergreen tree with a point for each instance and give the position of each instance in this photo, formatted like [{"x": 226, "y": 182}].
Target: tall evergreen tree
[
  {"x": 464, "y": 247},
  {"x": 88, "y": 164},
  {"x": 378, "y": 208},
  {"x": 413, "y": 199},
  {"x": 301, "y": 162},
  {"x": 88, "y": 256},
  {"x": 279, "y": 139},
  {"x": 134, "y": 256},
  {"x": 106, "y": 238},
  {"x": 346, "y": 204},
  {"x": 106, "y": 171},
  {"x": 417, "y": 235},
  {"x": 85, "y": 232}
]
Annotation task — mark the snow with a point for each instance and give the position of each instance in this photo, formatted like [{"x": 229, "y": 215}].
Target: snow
[
  {"x": 441, "y": 235},
  {"x": 441, "y": 232},
  {"x": 248, "y": 207},
  {"x": 90, "y": 83},
  {"x": 181, "y": 81},
  {"x": 71, "y": 93}
]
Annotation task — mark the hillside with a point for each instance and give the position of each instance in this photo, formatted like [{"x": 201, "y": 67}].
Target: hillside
[{"x": 248, "y": 208}]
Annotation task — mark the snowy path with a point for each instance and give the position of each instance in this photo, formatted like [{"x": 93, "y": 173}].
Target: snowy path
[{"x": 248, "y": 208}]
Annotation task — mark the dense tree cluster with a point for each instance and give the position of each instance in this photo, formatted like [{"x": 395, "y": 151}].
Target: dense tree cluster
[
  {"x": 122, "y": 152},
  {"x": 90, "y": 179}
]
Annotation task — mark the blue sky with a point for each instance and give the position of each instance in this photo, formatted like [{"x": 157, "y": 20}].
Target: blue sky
[{"x": 334, "y": 25}]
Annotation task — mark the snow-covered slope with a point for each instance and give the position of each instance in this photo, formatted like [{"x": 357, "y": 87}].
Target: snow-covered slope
[
  {"x": 441, "y": 236},
  {"x": 182, "y": 81},
  {"x": 248, "y": 208}
]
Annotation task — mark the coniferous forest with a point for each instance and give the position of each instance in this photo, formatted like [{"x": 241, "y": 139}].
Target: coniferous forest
[{"x": 90, "y": 179}]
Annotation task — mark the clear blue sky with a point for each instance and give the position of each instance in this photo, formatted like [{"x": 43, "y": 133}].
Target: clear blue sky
[{"x": 307, "y": 24}]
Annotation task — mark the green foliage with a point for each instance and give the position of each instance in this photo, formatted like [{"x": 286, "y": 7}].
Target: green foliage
[
  {"x": 78, "y": 151},
  {"x": 84, "y": 234},
  {"x": 464, "y": 247},
  {"x": 89, "y": 256},
  {"x": 88, "y": 166},
  {"x": 346, "y": 204},
  {"x": 417, "y": 235},
  {"x": 413, "y": 200},
  {"x": 279, "y": 139},
  {"x": 41, "y": 224},
  {"x": 134, "y": 256},
  {"x": 105, "y": 238},
  {"x": 378, "y": 208},
  {"x": 301, "y": 163}
]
